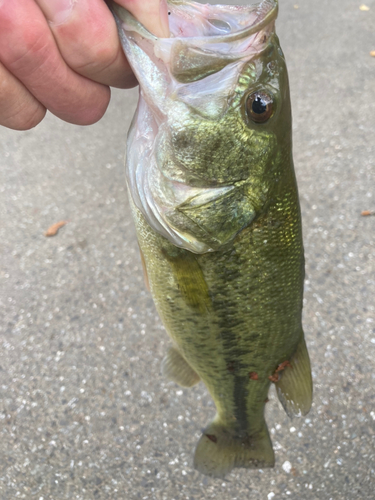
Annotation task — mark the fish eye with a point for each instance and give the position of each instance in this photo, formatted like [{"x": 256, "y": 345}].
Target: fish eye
[{"x": 259, "y": 106}]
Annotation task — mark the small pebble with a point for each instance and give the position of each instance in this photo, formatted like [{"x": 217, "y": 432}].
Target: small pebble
[{"x": 287, "y": 466}]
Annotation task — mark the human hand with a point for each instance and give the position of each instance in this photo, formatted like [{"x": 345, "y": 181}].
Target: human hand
[{"x": 62, "y": 56}]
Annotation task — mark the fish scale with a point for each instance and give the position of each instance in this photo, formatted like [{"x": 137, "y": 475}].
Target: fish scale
[{"x": 215, "y": 202}]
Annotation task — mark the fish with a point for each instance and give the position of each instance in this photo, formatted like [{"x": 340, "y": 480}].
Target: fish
[{"x": 215, "y": 203}]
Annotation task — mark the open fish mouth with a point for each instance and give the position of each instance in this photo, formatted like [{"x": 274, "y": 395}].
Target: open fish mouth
[
  {"x": 205, "y": 38},
  {"x": 219, "y": 22},
  {"x": 189, "y": 19}
]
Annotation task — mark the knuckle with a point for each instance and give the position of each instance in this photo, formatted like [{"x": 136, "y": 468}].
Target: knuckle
[
  {"x": 93, "y": 55},
  {"x": 95, "y": 48},
  {"x": 95, "y": 112},
  {"x": 108, "y": 67},
  {"x": 97, "y": 59},
  {"x": 33, "y": 119},
  {"x": 25, "y": 119},
  {"x": 19, "y": 109},
  {"x": 102, "y": 55},
  {"x": 87, "y": 109},
  {"x": 32, "y": 49}
]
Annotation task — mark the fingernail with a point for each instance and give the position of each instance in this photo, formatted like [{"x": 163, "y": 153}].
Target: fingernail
[
  {"x": 57, "y": 11},
  {"x": 164, "y": 18}
]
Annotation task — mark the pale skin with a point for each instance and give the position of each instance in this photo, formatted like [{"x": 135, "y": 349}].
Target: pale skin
[{"x": 63, "y": 56}]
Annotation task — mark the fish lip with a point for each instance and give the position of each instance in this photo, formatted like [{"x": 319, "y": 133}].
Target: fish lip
[
  {"x": 124, "y": 16},
  {"x": 245, "y": 32}
]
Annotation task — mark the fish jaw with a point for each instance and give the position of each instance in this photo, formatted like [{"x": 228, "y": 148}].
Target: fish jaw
[{"x": 193, "y": 78}]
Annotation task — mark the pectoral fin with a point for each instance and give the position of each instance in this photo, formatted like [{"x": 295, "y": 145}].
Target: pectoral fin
[
  {"x": 294, "y": 388},
  {"x": 145, "y": 273},
  {"x": 190, "y": 280},
  {"x": 177, "y": 369}
]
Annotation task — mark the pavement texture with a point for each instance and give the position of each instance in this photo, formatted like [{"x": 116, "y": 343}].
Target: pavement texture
[{"x": 84, "y": 410}]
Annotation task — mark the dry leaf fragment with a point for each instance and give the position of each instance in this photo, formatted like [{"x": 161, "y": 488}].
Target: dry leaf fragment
[
  {"x": 364, "y": 7},
  {"x": 366, "y": 212},
  {"x": 294, "y": 471},
  {"x": 372, "y": 53},
  {"x": 53, "y": 230}
]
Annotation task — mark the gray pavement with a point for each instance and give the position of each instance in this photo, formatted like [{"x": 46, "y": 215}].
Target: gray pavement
[{"x": 84, "y": 410}]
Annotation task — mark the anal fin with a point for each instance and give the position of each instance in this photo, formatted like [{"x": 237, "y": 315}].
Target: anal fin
[
  {"x": 177, "y": 369},
  {"x": 294, "y": 389}
]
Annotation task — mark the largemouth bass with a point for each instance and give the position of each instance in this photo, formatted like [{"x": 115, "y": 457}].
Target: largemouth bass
[{"x": 215, "y": 203}]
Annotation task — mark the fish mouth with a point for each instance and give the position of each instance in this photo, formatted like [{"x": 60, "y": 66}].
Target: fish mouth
[
  {"x": 205, "y": 38},
  {"x": 213, "y": 23},
  {"x": 221, "y": 23}
]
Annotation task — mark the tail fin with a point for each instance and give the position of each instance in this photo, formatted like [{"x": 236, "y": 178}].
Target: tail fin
[
  {"x": 219, "y": 450},
  {"x": 294, "y": 388}
]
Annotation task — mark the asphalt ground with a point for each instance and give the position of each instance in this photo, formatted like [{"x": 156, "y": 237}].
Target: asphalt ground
[{"x": 84, "y": 411}]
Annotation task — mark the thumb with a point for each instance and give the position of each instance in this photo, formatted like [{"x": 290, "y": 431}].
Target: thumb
[{"x": 153, "y": 14}]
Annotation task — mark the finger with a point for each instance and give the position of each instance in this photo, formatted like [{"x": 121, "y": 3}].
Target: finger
[
  {"x": 87, "y": 37},
  {"x": 153, "y": 14},
  {"x": 28, "y": 50},
  {"x": 19, "y": 109}
]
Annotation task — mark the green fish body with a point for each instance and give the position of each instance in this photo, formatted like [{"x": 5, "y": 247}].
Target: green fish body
[{"x": 215, "y": 203}]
